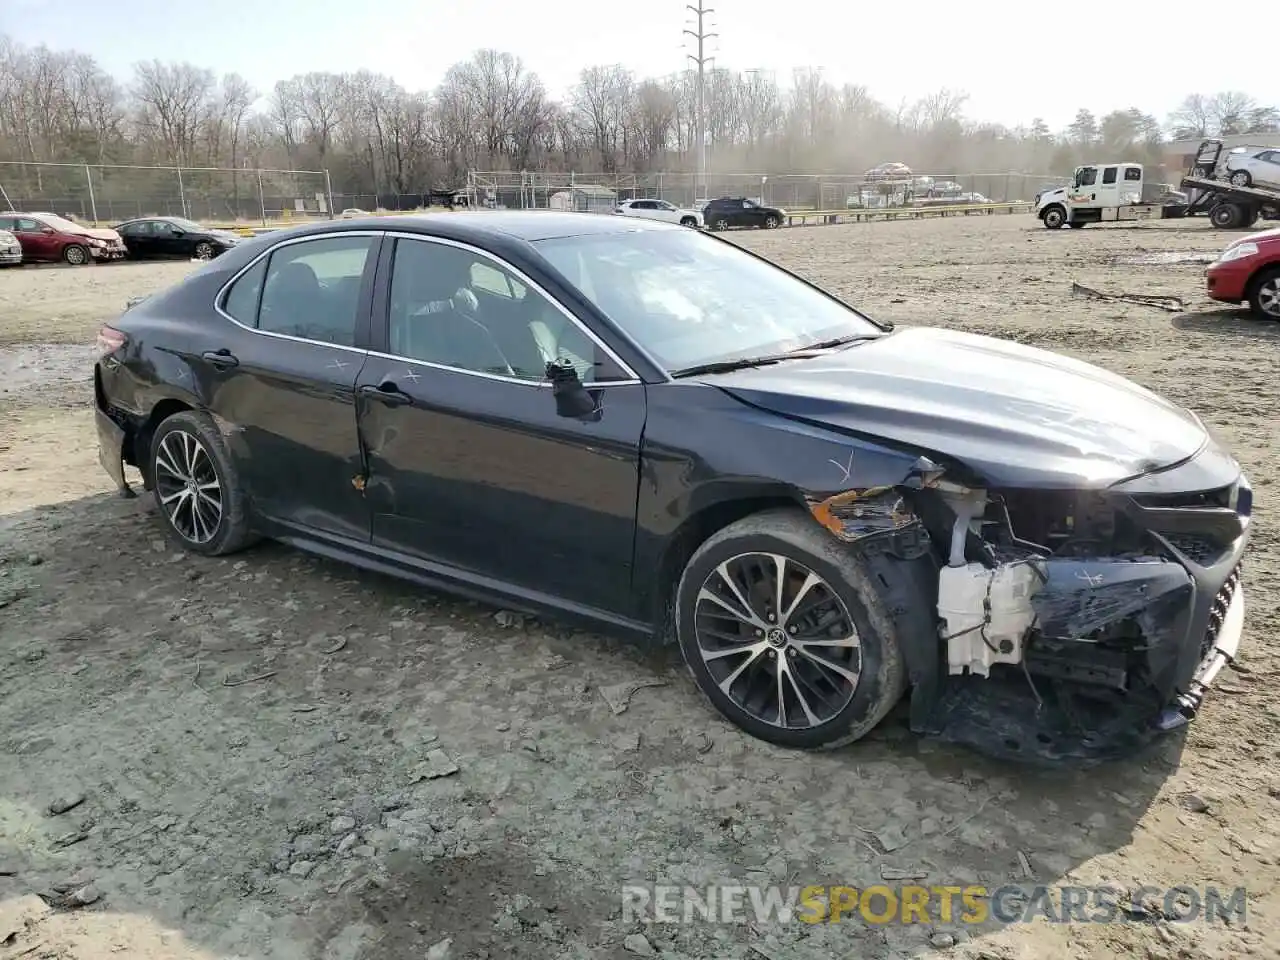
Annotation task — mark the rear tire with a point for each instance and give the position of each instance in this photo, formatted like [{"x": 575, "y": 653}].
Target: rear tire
[
  {"x": 722, "y": 224},
  {"x": 834, "y": 637},
  {"x": 1264, "y": 294},
  {"x": 200, "y": 498},
  {"x": 1226, "y": 216},
  {"x": 75, "y": 255}
]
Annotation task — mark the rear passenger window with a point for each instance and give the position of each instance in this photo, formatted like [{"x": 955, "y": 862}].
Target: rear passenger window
[
  {"x": 242, "y": 299},
  {"x": 1133, "y": 173},
  {"x": 312, "y": 289},
  {"x": 1109, "y": 175}
]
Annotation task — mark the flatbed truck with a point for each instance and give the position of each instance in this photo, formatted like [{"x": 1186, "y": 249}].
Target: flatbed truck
[{"x": 1116, "y": 192}]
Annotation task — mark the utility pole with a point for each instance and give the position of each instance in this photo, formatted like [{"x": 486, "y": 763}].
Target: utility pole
[{"x": 701, "y": 36}]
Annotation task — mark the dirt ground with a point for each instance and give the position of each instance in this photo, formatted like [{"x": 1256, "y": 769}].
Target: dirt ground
[{"x": 255, "y": 741}]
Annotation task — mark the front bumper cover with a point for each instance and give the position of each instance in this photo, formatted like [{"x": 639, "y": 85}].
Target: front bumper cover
[{"x": 1185, "y": 603}]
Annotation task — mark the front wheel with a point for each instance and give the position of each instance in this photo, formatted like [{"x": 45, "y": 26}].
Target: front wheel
[
  {"x": 786, "y": 633},
  {"x": 688, "y": 222},
  {"x": 1054, "y": 218},
  {"x": 204, "y": 250},
  {"x": 1264, "y": 295},
  {"x": 196, "y": 488},
  {"x": 1241, "y": 178},
  {"x": 722, "y": 224},
  {"x": 771, "y": 223},
  {"x": 75, "y": 255}
]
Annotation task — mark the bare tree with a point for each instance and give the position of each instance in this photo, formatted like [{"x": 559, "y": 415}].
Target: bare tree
[{"x": 173, "y": 100}]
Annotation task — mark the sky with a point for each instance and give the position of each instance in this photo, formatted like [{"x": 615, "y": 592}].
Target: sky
[{"x": 1001, "y": 53}]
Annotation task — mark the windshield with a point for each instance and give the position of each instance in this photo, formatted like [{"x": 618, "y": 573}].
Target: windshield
[{"x": 689, "y": 299}]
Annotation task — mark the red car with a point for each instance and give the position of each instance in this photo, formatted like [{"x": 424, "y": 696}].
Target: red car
[
  {"x": 49, "y": 238},
  {"x": 1249, "y": 270}
]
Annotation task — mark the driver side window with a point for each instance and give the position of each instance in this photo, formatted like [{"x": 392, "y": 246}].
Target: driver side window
[
  {"x": 457, "y": 308},
  {"x": 1088, "y": 176}
]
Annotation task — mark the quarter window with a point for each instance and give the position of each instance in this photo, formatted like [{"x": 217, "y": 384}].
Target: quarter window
[
  {"x": 456, "y": 308},
  {"x": 242, "y": 299},
  {"x": 1133, "y": 173}
]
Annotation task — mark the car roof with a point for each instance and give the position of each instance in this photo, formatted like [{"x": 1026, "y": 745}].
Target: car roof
[{"x": 477, "y": 225}]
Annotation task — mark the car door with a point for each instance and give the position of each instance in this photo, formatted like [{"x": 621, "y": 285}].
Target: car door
[
  {"x": 168, "y": 240},
  {"x": 1265, "y": 168},
  {"x": 39, "y": 241},
  {"x": 139, "y": 239},
  {"x": 471, "y": 463},
  {"x": 282, "y": 376}
]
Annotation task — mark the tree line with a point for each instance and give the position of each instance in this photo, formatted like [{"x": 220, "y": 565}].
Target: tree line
[{"x": 491, "y": 112}]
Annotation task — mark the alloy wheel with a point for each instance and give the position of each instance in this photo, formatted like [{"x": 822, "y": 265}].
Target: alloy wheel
[
  {"x": 75, "y": 255},
  {"x": 189, "y": 490},
  {"x": 204, "y": 251},
  {"x": 1269, "y": 297},
  {"x": 778, "y": 640}
]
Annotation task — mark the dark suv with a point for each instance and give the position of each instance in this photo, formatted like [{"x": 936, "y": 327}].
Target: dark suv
[{"x": 726, "y": 212}]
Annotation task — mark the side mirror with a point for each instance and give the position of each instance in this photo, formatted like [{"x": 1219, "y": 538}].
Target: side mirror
[
  {"x": 179, "y": 233},
  {"x": 572, "y": 398},
  {"x": 48, "y": 230}
]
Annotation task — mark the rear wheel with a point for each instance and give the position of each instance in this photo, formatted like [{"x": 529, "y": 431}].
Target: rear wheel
[
  {"x": 688, "y": 222},
  {"x": 786, "y": 634},
  {"x": 75, "y": 255},
  {"x": 1226, "y": 216},
  {"x": 722, "y": 224},
  {"x": 196, "y": 488},
  {"x": 1264, "y": 294}
]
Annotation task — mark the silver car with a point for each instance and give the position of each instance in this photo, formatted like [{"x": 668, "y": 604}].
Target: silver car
[
  {"x": 10, "y": 249},
  {"x": 1250, "y": 166}
]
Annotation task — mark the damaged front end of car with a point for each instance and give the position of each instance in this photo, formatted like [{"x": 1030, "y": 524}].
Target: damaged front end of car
[{"x": 1057, "y": 624}]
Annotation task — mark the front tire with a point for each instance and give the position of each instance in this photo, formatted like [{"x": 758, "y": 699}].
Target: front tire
[
  {"x": 786, "y": 633},
  {"x": 196, "y": 489},
  {"x": 204, "y": 250},
  {"x": 1264, "y": 295},
  {"x": 771, "y": 223},
  {"x": 688, "y": 222},
  {"x": 722, "y": 224},
  {"x": 1054, "y": 218},
  {"x": 1241, "y": 178},
  {"x": 75, "y": 255}
]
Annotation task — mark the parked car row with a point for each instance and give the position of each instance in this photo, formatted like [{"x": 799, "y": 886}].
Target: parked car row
[
  {"x": 49, "y": 238},
  {"x": 722, "y": 213}
]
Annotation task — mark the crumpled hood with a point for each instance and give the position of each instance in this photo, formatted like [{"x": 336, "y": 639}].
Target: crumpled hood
[
  {"x": 110, "y": 236},
  {"x": 1018, "y": 415}
]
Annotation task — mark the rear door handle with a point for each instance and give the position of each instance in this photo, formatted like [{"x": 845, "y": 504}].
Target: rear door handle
[
  {"x": 387, "y": 393},
  {"x": 222, "y": 359}
]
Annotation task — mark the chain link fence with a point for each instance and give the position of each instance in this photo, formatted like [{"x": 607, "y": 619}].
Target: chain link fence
[{"x": 112, "y": 193}]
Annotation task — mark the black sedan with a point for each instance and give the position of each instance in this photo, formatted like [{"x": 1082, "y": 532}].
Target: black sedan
[
  {"x": 646, "y": 428},
  {"x": 163, "y": 238}
]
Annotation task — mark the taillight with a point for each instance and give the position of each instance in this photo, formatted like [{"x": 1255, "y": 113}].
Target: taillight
[{"x": 109, "y": 341}]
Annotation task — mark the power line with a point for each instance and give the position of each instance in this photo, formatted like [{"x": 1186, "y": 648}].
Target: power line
[{"x": 701, "y": 36}]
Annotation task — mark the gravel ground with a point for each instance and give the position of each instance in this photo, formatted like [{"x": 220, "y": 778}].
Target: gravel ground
[{"x": 279, "y": 757}]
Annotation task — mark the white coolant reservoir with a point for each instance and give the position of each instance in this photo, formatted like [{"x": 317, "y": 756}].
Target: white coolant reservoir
[{"x": 986, "y": 614}]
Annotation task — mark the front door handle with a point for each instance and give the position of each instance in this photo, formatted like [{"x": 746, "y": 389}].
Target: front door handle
[
  {"x": 222, "y": 359},
  {"x": 388, "y": 393}
]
